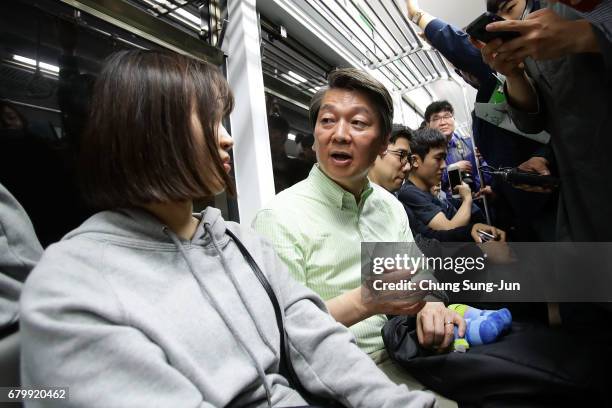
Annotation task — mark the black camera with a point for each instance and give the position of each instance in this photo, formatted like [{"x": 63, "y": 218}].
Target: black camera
[{"x": 467, "y": 178}]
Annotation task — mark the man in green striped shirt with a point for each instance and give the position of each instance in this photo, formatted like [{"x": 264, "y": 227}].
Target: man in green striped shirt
[{"x": 317, "y": 225}]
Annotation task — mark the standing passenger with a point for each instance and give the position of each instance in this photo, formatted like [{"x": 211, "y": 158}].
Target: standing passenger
[{"x": 147, "y": 304}]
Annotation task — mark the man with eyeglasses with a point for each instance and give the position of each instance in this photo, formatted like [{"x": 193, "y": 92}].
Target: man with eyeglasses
[
  {"x": 390, "y": 170},
  {"x": 391, "y": 167},
  {"x": 439, "y": 115}
]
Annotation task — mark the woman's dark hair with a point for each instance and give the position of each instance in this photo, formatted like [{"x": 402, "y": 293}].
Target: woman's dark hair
[
  {"x": 437, "y": 107},
  {"x": 354, "y": 79},
  {"x": 493, "y": 6},
  {"x": 423, "y": 140},
  {"x": 140, "y": 145}
]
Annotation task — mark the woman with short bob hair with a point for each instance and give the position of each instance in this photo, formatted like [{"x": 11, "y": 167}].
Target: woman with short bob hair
[{"x": 147, "y": 304}]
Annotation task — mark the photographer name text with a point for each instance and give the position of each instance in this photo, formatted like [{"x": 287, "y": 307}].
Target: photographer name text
[{"x": 429, "y": 285}]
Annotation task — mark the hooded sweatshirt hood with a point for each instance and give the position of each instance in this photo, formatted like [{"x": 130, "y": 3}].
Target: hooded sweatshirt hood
[{"x": 138, "y": 226}]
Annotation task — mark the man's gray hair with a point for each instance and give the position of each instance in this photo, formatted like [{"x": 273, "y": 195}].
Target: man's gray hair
[{"x": 354, "y": 79}]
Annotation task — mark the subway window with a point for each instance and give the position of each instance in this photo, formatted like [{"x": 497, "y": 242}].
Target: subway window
[
  {"x": 50, "y": 56},
  {"x": 292, "y": 74}
]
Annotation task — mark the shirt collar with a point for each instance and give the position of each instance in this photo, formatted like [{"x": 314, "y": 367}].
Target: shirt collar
[
  {"x": 453, "y": 139},
  {"x": 333, "y": 192}
]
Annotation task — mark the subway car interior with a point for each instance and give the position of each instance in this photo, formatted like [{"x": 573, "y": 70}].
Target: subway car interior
[{"x": 351, "y": 122}]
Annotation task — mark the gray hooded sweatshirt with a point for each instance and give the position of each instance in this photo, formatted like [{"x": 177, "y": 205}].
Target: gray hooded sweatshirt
[
  {"x": 127, "y": 314},
  {"x": 19, "y": 253}
]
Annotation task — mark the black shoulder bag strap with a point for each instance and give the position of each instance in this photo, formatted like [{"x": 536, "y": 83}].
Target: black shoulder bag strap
[{"x": 286, "y": 367}]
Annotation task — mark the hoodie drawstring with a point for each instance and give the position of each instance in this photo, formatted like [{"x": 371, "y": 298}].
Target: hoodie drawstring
[
  {"x": 226, "y": 319},
  {"x": 243, "y": 298}
]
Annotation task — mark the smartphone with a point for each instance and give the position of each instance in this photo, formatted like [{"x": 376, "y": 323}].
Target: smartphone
[
  {"x": 477, "y": 29},
  {"x": 485, "y": 236},
  {"x": 454, "y": 178}
]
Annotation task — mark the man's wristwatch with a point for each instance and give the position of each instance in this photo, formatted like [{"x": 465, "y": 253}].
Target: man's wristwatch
[{"x": 417, "y": 17}]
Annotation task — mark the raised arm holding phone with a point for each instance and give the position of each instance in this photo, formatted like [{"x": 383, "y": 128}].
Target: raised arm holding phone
[{"x": 558, "y": 74}]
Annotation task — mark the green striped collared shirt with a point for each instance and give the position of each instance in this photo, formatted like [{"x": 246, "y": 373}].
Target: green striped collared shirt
[{"x": 317, "y": 228}]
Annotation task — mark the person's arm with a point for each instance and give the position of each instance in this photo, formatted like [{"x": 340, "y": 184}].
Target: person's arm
[
  {"x": 75, "y": 333},
  {"x": 462, "y": 216},
  {"x": 459, "y": 234},
  {"x": 420, "y": 204},
  {"x": 348, "y": 308},
  {"x": 452, "y": 43},
  {"x": 546, "y": 35},
  {"x": 427, "y": 212},
  {"x": 325, "y": 356},
  {"x": 524, "y": 105},
  {"x": 435, "y": 322}
]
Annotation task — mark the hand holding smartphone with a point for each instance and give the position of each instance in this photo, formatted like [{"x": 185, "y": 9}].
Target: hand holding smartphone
[
  {"x": 477, "y": 29},
  {"x": 454, "y": 178},
  {"x": 485, "y": 236}
]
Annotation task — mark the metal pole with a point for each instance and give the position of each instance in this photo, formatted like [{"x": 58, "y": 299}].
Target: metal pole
[
  {"x": 253, "y": 162},
  {"x": 477, "y": 161}
]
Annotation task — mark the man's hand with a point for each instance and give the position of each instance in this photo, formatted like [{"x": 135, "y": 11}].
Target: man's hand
[
  {"x": 464, "y": 165},
  {"x": 464, "y": 191},
  {"x": 538, "y": 165},
  {"x": 392, "y": 302},
  {"x": 435, "y": 326},
  {"x": 484, "y": 191},
  {"x": 545, "y": 35},
  {"x": 500, "y": 235},
  {"x": 502, "y": 63},
  {"x": 360, "y": 303}
]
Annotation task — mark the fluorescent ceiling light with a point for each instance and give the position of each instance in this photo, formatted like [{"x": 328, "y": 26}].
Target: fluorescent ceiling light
[
  {"x": 168, "y": 4},
  {"x": 25, "y": 60},
  {"x": 291, "y": 79},
  {"x": 53, "y": 69},
  {"x": 299, "y": 78},
  {"x": 189, "y": 16},
  {"x": 178, "y": 13}
]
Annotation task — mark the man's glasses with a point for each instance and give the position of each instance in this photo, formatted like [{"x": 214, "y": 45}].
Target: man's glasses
[
  {"x": 404, "y": 156},
  {"x": 448, "y": 116}
]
